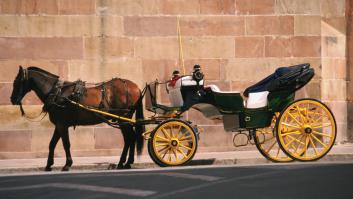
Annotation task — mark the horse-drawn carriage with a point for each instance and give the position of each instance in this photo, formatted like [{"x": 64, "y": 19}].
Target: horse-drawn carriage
[{"x": 282, "y": 128}]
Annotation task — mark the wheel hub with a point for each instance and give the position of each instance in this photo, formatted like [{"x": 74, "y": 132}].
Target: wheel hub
[
  {"x": 307, "y": 129},
  {"x": 174, "y": 142}
]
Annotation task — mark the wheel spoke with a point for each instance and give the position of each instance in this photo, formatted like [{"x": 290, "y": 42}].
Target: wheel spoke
[
  {"x": 188, "y": 148},
  {"x": 175, "y": 154},
  {"x": 162, "y": 144},
  {"x": 269, "y": 149},
  {"x": 321, "y": 125},
  {"x": 306, "y": 146},
  {"x": 161, "y": 139},
  {"x": 165, "y": 148},
  {"x": 165, "y": 133},
  {"x": 165, "y": 153},
  {"x": 290, "y": 125},
  {"x": 278, "y": 152},
  {"x": 312, "y": 143},
  {"x": 178, "y": 132},
  {"x": 290, "y": 133},
  {"x": 185, "y": 138},
  {"x": 294, "y": 118},
  {"x": 185, "y": 156},
  {"x": 318, "y": 133},
  {"x": 317, "y": 139},
  {"x": 299, "y": 141}
]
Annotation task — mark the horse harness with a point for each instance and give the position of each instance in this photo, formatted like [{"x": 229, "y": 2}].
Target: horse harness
[{"x": 55, "y": 96}]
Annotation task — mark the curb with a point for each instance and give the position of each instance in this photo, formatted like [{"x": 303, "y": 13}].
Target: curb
[{"x": 145, "y": 165}]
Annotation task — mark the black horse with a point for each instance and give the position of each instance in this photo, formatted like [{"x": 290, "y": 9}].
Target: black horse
[{"x": 117, "y": 96}]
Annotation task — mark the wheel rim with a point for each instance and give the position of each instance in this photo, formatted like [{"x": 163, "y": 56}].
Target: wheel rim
[
  {"x": 267, "y": 144},
  {"x": 174, "y": 143},
  {"x": 306, "y": 130}
]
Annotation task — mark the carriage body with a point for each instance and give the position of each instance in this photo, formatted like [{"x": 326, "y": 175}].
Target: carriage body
[{"x": 270, "y": 100}]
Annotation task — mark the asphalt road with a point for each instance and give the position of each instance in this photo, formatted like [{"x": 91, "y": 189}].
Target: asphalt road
[{"x": 295, "y": 180}]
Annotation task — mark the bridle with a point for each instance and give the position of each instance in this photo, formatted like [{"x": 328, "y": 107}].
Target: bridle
[{"x": 24, "y": 86}]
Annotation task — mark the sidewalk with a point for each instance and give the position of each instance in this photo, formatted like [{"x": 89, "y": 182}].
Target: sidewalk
[{"x": 338, "y": 153}]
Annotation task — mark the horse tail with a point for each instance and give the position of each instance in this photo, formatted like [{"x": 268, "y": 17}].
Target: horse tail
[{"x": 139, "y": 128}]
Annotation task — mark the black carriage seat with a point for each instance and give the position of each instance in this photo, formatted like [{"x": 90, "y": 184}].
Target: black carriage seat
[
  {"x": 284, "y": 78},
  {"x": 151, "y": 100}
]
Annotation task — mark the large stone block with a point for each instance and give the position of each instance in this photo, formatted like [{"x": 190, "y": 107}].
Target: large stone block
[
  {"x": 333, "y": 46},
  {"x": 82, "y": 138},
  {"x": 338, "y": 86},
  {"x": 94, "y": 71},
  {"x": 298, "y": 7},
  {"x": 108, "y": 138},
  {"x": 41, "y": 139},
  {"x": 350, "y": 120},
  {"x": 159, "y": 69},
  {"x": 307, "y": 46},
  {"x": 150, "y": 26},
  {"x": 29, "y": 7},
  {"x": 178, "y": 7},
  {"x": 241, "y": 85},
  {"x": 269, "y": 25},
  {"x": 9, "y": 25},
  {"x": 224, "y": 7},
  {"x": 68, "y": 7},
  {"x": 15, "y": 141},
  {"x": 246, "y": 47},
  {"x": 41, "y": 48},
  {"x": 339, "y": 110},
  {"x": 307, "y": 25},
  {"x": 210, "y": 67},
  {"x": 278, "y": 46},
  {"x": 157, "y": 47},
  {"x": 215, "y": 138},
  {"x": 208, "y": 47},
  {"x": 331, "y": 8},
  {"x": 311, "y": 90},
  {"x": 334, "y": 68},
  {"x": 254, "y": 7},
  {"x": 334, "y": 26},
  {"x": 257, "y": 69},
  {"x": 108, "y": 47},
  {"x": 10, "y": 118},
  {"x": 220, "y": 25},
  {"x": 10, "y": 68},
  {"x": 60, "y": 26},
  {"x": 128, "y": 7}
]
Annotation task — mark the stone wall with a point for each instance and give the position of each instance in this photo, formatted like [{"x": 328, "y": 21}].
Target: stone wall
[{"x": 237, "y": 42}]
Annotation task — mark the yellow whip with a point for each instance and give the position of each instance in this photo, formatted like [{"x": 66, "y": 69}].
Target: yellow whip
[{"x": 181, "y": 58}]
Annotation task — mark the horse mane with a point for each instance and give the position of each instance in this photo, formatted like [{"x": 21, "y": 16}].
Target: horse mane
[{"x": 42, "y": 71}]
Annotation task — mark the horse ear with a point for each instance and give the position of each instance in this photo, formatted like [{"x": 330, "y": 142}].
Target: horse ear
[{"x": 20, "y": 68}]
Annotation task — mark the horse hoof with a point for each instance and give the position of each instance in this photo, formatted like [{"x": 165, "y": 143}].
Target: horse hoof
[
  {"x": 120, "y": 166},
  {"x": 127, "y": 166},
  {"x": 65, "y": 168},
  {"x": 48, "y": 169}
]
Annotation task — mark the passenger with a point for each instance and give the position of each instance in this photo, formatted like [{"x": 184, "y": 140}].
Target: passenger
[{"x": 175, "y": 77}]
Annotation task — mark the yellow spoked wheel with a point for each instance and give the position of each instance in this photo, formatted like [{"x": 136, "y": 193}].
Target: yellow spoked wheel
[
  {"x": 173, "y": 143},
  {"x": 266, "y": 143},
  {"x": 306, "y": 130}
]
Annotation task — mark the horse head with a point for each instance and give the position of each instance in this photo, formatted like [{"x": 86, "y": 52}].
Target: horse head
[{"x": 20, "y": 86}]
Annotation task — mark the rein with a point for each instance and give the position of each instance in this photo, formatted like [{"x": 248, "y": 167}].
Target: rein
[{"x": 32, "y": 119}]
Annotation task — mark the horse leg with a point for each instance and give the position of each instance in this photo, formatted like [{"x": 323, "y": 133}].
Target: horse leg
[
  {"x": 54, "y": 140},
  {"x": 66, "y": 143},
  {"x": 131, "y": 158},
  {"x": 126, "y": 137}
]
